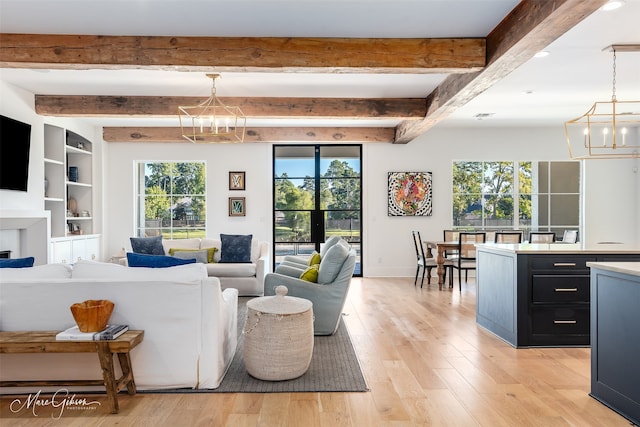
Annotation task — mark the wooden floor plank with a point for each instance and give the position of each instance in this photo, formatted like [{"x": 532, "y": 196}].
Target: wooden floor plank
[
  {"x": 426, "y": 362},
  {"x": 274, "y": 410},
  {"x": 388, "y": 402}
]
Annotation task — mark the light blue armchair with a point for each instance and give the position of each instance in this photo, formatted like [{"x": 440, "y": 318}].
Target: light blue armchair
[
  {"x": 299, "y": 262},
  {"x": 328, "y": 298}
]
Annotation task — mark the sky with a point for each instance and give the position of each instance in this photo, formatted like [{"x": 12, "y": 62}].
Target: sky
[{"x": 302, "y": 168}]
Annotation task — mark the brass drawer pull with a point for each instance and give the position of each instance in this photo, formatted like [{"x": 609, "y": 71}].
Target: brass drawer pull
[
  {"x": 565, "y": 322},
  {"x": 564, "y": 264},
  {"x": 566, "y": 289}
]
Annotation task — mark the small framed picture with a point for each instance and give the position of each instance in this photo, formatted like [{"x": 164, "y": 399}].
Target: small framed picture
[
  {"x": 237, "y": 206},
  {"x": 236, "y": 180}
]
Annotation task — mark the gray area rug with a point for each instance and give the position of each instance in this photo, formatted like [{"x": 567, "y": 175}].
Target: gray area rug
[{"x": 334, "y": 367}]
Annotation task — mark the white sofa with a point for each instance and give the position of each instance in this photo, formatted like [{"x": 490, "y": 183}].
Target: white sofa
[
  {"x": 189, "y": 323},
  {"x": 247, "y": 278}
]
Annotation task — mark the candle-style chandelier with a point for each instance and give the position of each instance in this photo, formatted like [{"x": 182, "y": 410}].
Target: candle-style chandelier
[
  {"x": 609, "y": 130},
  {"x": 211, "y": 121}
]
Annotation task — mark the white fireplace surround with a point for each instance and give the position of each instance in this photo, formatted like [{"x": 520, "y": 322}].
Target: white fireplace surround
[{"x": 31, "y": 236}]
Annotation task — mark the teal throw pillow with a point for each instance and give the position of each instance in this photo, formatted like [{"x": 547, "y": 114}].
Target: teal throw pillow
[
  {"x": 332, "y": 261},
  {"x": 147, "y": 245},
  {"x": 155, "y": 261},
  {"x": 16, "y": 262},
  {"x": 235, "y": 248}
]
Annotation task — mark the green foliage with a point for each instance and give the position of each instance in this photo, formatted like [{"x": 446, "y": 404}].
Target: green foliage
[
  {"x": 525, "y": 185},
  {"x": 159, "y": 175},
  {"x": 156, "y": 203},
  {"x": 339, "y": 192},
  {"x": 484, "y": 191},
  {"x": 497, "y": 184},
  {"x": 467, "y": 181},
  {"x": 343, "y": 188},
  {"x": 175, "y": 191},
  {"x": 188, "y": 178}
]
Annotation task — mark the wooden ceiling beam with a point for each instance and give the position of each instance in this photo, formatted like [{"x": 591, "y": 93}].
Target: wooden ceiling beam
[
  {"x": 361, "y": 55},
  {"x": 166, "y": 106},
  {"x": 530, "y": 27},
  {"x": 257, "y": 134}
]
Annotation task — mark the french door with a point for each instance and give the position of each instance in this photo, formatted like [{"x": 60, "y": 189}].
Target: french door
[{"x": 316, "y": 194}]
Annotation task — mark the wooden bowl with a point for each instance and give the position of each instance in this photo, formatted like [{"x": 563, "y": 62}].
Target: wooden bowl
[{"x": 92, "y": 315}]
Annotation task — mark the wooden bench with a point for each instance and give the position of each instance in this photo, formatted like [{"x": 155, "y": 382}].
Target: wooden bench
[{"x": 45, "y": 342}]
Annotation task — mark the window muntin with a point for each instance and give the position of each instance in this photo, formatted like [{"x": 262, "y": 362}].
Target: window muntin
[
  {"x": 171, "y": 199},
  {"x": 548, "y": 195},
  {"x": 483, "y": 194},
  {"x": 317, "y": 193}
]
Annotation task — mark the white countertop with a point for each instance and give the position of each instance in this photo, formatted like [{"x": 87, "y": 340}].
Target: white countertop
[
  {"x": 632, "y": 268},
  {"x": 558, "y": 247}
]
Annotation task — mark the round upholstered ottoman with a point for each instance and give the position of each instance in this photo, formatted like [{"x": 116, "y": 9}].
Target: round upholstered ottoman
[{"x": 278, "y": 336}]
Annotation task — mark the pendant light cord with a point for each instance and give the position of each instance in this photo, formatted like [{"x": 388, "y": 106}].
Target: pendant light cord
[{"x": 613, "y": 93}]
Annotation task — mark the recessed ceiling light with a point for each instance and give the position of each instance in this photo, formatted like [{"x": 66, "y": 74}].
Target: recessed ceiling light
[
  {"x": 541, "y": 54},
  {"x": 529, "y": 92},
  {"x": 612, "y": 5}
]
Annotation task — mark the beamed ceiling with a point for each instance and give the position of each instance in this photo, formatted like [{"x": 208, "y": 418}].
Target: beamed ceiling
[{"x": 468, "y": 67}]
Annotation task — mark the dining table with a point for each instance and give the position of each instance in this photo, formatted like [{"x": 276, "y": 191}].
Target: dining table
[{"x": 441, "y": 247}]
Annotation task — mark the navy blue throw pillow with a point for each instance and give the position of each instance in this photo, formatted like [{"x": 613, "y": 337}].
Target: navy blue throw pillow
[
  {"x": 147, "y": 245},
  {"x": 155, "y": 261},
  {"x": 235, "y": 248},
  {"x": 16, "y": 262}
]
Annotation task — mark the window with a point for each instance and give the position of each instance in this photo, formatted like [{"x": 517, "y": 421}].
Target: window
[
  {"x": 551, "y": 193},
  {"x": 171, "y": 199},
  {"x": 316, "y": 194},
  {"x": 548, "y": 195}
]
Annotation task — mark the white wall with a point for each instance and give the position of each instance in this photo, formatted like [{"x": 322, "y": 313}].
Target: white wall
[
  {"x": 254, "y": 159},
  {"x": 390, "y": 249},
  {"x": 19, "y": 104},
  {"x": 611, "y": 197}
]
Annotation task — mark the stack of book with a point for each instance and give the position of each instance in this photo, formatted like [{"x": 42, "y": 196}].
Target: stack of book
[{"x": 111, "y": 332}]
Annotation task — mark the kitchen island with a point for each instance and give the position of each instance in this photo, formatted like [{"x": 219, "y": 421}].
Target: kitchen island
[
  {"x": 615, "y": 341},
  {"x": 537, "y": 295}
]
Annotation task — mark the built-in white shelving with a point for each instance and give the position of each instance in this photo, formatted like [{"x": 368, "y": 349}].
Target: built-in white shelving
[{"x": 68, "y": 165}]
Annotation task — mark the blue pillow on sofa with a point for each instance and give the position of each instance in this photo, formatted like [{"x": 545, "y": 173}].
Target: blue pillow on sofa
[
  {"x": 235, "y": 247},
  {"x": 155, "y": 261},
  {"x": 147, "y": 245},
  {"x": 16, "y": 262}
]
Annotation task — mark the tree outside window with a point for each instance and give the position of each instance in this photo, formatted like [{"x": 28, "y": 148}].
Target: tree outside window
[
  {"x": 172, "y": 199},
  {"x": 483, "y": 194},
  {"x": 339, "y": 196},
  {"x": 547, "y": 194}
]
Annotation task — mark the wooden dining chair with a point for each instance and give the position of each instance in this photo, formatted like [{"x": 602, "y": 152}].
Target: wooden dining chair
[
  {"x": 542, "y": 237},
  {"x": 450, "y": 236},
  {"x": 570, "y": 236},
  {"x": 508, "y": 237},
  {"x": 467, "y": 253},
  {"x": 490, "y": 235},
  {"x": 422, "y": 261}
]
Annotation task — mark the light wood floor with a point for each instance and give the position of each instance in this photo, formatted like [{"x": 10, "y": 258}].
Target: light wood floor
[{"x": 426, "y": 363}]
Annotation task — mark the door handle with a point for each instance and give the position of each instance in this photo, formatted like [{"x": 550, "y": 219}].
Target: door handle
[
  {"x": 565, "y": 322},
  {"x": 566, "y": 289}
]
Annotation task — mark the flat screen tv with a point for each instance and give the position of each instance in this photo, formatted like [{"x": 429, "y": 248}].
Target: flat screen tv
[{"x": 15, "y": 141}]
